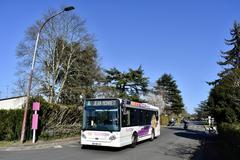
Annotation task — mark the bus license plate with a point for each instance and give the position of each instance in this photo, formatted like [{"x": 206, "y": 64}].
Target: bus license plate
[{"x": 97, "y": 144}]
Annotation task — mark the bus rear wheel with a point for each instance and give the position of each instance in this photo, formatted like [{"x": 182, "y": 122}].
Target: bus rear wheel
[
  {"x": 134, "y": 141},
  {"x": 152, "y": 135}
]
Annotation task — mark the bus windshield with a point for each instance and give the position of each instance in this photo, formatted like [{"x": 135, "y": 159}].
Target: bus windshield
[{"x": 101, "y": 118}]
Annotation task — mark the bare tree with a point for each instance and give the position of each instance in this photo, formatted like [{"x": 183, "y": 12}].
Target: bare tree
[
  {"x": 61, "y": 42},
  {"x": 156, "y": 100}
]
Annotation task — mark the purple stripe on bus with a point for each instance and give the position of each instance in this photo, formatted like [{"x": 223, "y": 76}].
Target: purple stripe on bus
[{"x": 144, "y": 131}]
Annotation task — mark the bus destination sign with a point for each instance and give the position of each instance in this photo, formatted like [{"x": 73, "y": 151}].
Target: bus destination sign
[{"x": 101, "y": 102}]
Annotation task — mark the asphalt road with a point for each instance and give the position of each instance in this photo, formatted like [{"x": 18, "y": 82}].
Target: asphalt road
[{"x": 173, "y": 144}]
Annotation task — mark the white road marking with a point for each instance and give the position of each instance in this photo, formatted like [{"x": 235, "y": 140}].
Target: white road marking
[{"x": 58, "y": 146}]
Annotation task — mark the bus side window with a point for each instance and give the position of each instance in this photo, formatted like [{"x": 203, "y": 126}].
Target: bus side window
[
  {"x": 148, "y": 117},
  {"x": 157, "y": 116},
  {"x": 126, "y": 118},
  {"x": 143, "y": 117},
  {"x": 134, "y": 117},
  {"x": 141, "y": 122}
]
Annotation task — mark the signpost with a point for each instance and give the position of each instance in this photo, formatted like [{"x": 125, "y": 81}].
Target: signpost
[{"x": 35, "y": 108}]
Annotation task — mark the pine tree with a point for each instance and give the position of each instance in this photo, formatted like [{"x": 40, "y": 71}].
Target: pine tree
[
  {"x": 202, "y": 110},
  {"x": 130, "y": 85},
  {"x": 224, "y": 99},
  {"x": 167, "y": 87},
  {"x": 231, "y": 58}
]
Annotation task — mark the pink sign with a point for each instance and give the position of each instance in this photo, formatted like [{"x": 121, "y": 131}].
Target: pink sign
[
  {"x": 36, "y": 106},
  {"x": 35, "y": 121}
]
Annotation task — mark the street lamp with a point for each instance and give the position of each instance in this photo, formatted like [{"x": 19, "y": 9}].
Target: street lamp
[{"x": 32, "y": 68}]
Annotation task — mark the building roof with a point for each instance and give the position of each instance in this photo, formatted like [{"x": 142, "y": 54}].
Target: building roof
[{"x": 11, "y": 98}]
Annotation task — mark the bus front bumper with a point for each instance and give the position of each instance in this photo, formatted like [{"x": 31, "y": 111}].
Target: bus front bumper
[{"x": 112, "y": 143}]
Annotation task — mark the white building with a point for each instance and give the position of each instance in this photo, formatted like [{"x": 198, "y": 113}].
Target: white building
[{"x": 12, "y": 102}]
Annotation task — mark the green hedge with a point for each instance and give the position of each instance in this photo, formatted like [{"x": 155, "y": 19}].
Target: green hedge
[
  {"x": 55, "y": 121},
  {"x": 230, "y": 132},
  {"x": 164, "y": 119},
  {"x": 229, "y": 135},
  {"x": 11, "y": 123}
]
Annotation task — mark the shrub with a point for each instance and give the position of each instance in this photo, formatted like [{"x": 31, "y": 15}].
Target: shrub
[
  {"x": 230, "y": 132},
  {"x": 230, "y": 139},
  {"x": 10, "y": 124},
  {"x": 164, "y": 119}
]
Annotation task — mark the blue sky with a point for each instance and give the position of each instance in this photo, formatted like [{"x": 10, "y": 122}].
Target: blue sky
[{"x": 183, "y": 38}]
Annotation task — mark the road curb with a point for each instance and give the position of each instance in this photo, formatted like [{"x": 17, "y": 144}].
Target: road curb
[{"x": 56, "y": 144}]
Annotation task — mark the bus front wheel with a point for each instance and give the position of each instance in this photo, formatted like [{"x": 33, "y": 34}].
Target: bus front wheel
[
  {"x": 134, "y": 141},
  {"x": 83, "y": 146}
]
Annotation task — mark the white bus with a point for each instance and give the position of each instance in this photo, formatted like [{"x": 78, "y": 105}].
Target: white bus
[{"x": 117, "y": 122}]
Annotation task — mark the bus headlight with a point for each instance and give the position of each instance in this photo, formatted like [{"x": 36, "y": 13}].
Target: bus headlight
[
  {"x": 83, "y": 136},
  {"x": 113, "y": 137}
]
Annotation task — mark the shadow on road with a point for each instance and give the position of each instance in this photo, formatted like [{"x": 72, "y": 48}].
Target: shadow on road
[
  {"x": 103, "y": 148},
  {"x": 207, "y": 148},
  {"x": 187, "y": 130},
  {"x": 196, "y": 153},
  {"x": 192, "y": 134},
  {"x": 174, "y": 128}
]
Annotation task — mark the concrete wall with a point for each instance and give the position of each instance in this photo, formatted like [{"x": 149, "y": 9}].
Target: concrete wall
[{"x": 12, "y": 103}]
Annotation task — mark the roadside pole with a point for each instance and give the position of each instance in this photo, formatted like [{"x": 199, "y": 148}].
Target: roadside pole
[{"x": 35, "y": 107}]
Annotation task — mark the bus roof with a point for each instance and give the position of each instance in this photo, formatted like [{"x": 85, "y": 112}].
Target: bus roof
[
  {"x": 129, "y": 103},
  {"x": 139, "y": 105}
]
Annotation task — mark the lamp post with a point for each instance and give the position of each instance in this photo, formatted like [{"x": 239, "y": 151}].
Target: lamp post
[{"x": 32, "y": 69}]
